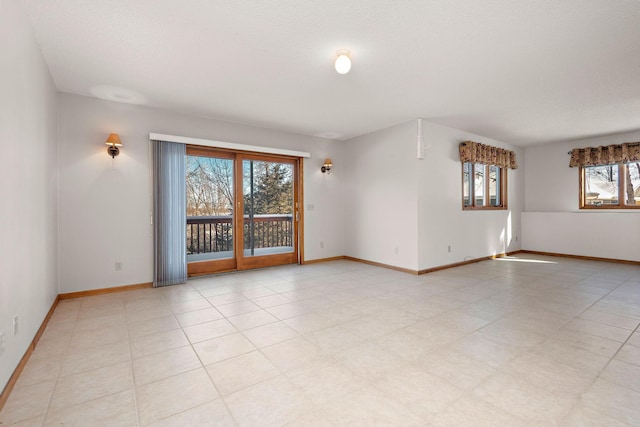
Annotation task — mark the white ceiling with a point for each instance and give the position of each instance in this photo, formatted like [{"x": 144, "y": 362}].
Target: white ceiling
[{"x": 519, "y": 71}]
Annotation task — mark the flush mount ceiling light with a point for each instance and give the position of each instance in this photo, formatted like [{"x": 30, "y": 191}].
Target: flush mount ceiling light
[
  {"x": 118, "y": 94},
  {"x": 343, "y": 61}
]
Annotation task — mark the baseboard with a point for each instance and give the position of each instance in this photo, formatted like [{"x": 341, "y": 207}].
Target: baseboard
[
  {"x": 467, "y": 262},
  {"x": 408, "y": 270},
  {"x": 583, "y": 257},
  {"x": 379, "y": 264},
  {"x": 103, "y": 291},
  {"x": 4, "y": 396},
  {"x": 319, "y": 260},
  {"x": 471, "y": 261}
]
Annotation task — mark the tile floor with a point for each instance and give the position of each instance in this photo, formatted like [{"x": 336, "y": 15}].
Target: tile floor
[{"x": 525, "y": 341}]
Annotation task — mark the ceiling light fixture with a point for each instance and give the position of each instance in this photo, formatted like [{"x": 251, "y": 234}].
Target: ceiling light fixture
[
  {"x": 343, "y": 61},
  {"x": 118, "y": 94}
]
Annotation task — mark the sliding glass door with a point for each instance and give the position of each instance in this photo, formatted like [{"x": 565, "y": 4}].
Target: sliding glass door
[
  {"x": 241, "y": 210},
  {"x": 210, "y": 211},
  {"x": 269, "y": 206}
]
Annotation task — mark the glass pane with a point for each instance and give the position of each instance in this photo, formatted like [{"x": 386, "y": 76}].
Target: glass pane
[
  {"x": 601, "y": 185},
  {"x": 478, "y": 188},
  {"x": 494, "y": 186},
  {"x": 632, "y": 192},
  {"x": 268, "y": 207},
  {"x": 209, "y": 208},
  {"x": 466, "y": 193}
]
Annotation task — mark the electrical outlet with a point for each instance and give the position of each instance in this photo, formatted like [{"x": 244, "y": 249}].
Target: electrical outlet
[
  {"x": 3, "y": 342},
  {"x": 449, "y": 248},
  {"x": 118, "y": 265},
  {"x": 321, "y": 245},
  {"x": 516, "y": 238},
  {"x": 15, "y": 325},
  {"x": 396, "y": 250}
]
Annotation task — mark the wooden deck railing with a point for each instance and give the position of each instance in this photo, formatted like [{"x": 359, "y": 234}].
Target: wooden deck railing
[{"x": 207, "y": 234}]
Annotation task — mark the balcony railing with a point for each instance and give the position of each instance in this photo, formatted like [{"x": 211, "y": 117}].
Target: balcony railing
[
  {"x": 206, "y": 234},
  {"x": 209, "y": 234}
]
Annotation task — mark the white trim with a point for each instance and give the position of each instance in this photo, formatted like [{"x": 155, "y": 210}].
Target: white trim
[{"x": 228, "y": 145}]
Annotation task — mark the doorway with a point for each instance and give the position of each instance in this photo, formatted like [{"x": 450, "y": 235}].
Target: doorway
[{"x": 242, "y": 210}]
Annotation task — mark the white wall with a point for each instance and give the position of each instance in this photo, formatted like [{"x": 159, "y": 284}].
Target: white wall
[
  {"x": 603, "y": 235},
  {"x": 554, "y": 223},
  {"x": 395, "y": 200},
  {"x": 380, "y": 197},
  {"x": 105, "y": 205},
  {"x": 28, "y": 211},
  {"x": 441, "y": 220}
]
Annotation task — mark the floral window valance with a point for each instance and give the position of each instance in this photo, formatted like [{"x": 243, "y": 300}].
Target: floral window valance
[
  {"x": 605, "y": 155},
  {"x": 474, "y": 152}
]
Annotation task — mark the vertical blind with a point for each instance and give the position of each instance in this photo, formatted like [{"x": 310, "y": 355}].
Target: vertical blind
[{"x": 169, "y": 212}]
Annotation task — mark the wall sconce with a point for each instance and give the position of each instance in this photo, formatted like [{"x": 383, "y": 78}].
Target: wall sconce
[
  {"x": 327, "y": 166},
  {"x": 113, "y": 142}
]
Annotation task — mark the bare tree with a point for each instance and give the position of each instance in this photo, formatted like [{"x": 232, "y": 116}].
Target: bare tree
[
  {"x": 221, "y": 177},
  {"x": 631, "y": 192},
  {"x": 209, "y": 186}
]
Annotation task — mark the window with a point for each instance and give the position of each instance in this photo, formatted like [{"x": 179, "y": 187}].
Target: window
[
  {"x": 484, "y": 175},
  {"x": 614, "y": 186},
  {"x": 483, "y": 186}
]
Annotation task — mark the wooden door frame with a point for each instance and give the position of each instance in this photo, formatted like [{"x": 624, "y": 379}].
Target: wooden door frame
[
  {"x": 239, "y": 262},
  {"x": 260, "y": 261},
  {"x": 200, "y": 268}
]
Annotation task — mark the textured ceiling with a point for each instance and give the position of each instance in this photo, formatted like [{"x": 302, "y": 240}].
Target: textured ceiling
[{"x": 520, "y": 71}]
